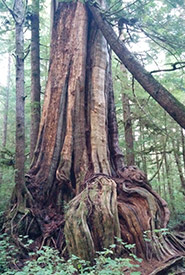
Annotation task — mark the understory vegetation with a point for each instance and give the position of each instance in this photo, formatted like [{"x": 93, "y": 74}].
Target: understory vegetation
[{"x": 47, "y": 261}]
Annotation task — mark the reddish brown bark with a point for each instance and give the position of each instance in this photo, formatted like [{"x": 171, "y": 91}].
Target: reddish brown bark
[{"x": 75, "y": 129}]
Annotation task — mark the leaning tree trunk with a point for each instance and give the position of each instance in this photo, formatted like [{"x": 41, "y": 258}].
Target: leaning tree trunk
[
  {"x": 77, "y": 156},
  {"x": 167, "y": 101}
]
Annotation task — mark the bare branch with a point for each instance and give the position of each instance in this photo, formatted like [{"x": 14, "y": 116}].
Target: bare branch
[
  {"x": 10, "y": 10},
  {"x": 174, "y": 68}
]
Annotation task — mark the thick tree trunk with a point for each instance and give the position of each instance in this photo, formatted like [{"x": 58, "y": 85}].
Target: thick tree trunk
[
  {"x": 167, "y": 101},
  {"x": 74, "y": 136},
  {"x": 77, "y": 156},
  {"x": 35, "y": 77}
]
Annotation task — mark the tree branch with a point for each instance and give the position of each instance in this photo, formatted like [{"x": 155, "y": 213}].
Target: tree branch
[
  {"x": 10, "y": 10},
  {"x": 174, "y": 67},
  {"x": 167, "y": 101}
]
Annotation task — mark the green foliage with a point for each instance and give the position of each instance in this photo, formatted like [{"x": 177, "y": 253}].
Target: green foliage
[
  {"x": 8, "y": 252},
  {"x": 147, "y": 235},
  {"x": 47, "y": 261}
]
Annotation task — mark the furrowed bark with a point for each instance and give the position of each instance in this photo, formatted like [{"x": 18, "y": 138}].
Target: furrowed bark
[
  {"x": 66, "y": 80},
  {"x": 92, "y": 219},
  {"x": 166, "y": 100},
  {"x": 97, "y": 97}
]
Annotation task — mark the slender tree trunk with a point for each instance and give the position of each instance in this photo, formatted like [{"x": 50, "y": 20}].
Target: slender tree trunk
[
  {"x": 6, "y": 107},
  {"x": 20, "y": 127},
  {"x": 143, "y": 154},
  {"x": 176, "y": 151},
  {"x": 35, "y": 77},
  {"x": 129, "y": 139},
  {"x": 5, "y": 119},
  {"x": 183, "y": 146},
  {"x": 168, "y": 175},
  {"x": 158, "y": 174},
  {"x": 167, "y": 101},
  {"x": 164, "y": 183}
]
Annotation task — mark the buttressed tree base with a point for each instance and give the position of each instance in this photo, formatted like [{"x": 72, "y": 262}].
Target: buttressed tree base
[{"x": 78, "y": 157}]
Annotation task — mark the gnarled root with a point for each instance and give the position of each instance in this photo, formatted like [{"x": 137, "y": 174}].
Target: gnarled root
[{"x": 92, "y": 219}]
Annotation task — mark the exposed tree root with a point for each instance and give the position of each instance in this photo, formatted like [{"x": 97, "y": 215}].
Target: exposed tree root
[
  {"x": 172, "y": 264},
  {"x": 125, "y": 207},
  {"x": 92, "y": 219},
  {"x": 92, "y": 222}
]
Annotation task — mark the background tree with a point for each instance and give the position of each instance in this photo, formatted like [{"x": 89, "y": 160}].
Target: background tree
[
  {"x": 18, "y": 14},
  {"x": 129, "y": 139},
  {"x": 19, "y": 17},
  {"x": 5, "y": 119},
  {"x": 7, "y": 31},
  {"x": 35, "y": 78}
]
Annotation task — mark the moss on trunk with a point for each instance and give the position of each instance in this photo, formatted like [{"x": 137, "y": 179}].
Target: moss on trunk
[{"x": 92, "y": 223}]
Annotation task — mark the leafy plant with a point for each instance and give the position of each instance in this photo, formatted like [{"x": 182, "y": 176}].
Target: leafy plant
[
  {"x": 47, "y": 261},
  {"x": 8, "y": 252},
  {"x": 160, "y": 232}
]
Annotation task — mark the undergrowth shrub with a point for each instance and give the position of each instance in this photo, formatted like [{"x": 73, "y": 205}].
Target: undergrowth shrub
[
  {"x": 8, "y": 253},
  {"x": 47, "y": 261}
]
